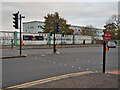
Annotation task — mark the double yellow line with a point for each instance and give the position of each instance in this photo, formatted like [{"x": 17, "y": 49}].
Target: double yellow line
[{"x": 47, "y": 80}]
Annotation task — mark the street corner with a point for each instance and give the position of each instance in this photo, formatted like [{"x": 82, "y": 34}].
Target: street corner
[
  {"x": 16, "y": 56},
  {"x": 48, "y": 80}
]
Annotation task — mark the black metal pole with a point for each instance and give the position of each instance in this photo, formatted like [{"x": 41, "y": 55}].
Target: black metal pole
[
  {"x": 12, "y": 43},
  {"x": 54, "y": 40},
  {"x": 104, "y": 55},
  {"x": 50, "y": 43},
  {"x": 20, "y": 35},
  {"x": 61, "y": 40}
]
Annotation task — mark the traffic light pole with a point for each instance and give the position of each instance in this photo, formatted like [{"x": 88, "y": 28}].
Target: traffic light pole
[
  {"x": 104, "y": 55},
  {"x": 61, "y": 40},
  {"x": 20, "y": 35},
  {"x": 54, "y": 40}
]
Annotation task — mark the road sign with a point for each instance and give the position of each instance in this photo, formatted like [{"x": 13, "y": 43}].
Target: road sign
[{"x": 107, "y": 35}]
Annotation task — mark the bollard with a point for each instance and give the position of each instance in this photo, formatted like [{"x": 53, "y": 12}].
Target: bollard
[
  {"x": 83, "y": 42},
  {"x": 21, "y": 43},
  {"x": 107, "y": 48},
  {"x": 12, "y": 43},
  {"x": 55, "y": 48}
]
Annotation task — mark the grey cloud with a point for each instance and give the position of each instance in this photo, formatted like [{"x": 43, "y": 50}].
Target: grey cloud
[{"x": 79, "y": 13}]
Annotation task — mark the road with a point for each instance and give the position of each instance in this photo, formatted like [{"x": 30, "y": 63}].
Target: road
[{"x": 34, "y": 66}]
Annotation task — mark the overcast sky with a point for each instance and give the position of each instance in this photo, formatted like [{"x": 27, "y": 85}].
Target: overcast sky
[{"x": 76, "y": 13}]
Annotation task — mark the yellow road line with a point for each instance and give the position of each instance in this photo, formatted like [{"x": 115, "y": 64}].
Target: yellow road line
[{"x": 47, "y": 80}]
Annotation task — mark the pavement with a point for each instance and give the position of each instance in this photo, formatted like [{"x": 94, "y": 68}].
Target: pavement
[
  {"x": 94, "y": 80},
  {"x": 86, "y": 79},
  {"x": 51, "y": 46}
]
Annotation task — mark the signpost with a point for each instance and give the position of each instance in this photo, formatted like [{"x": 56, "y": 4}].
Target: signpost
[
  {"x": 107, "y": 36},
  {"x": 104, "y": 55}
]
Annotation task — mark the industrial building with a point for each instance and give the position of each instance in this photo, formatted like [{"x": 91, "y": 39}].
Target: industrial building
[{"x": 35, "y": 27}]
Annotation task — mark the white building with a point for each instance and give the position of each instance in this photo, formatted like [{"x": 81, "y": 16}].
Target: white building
[
  {"x": 99, "y": 34},
  {"x": 77, "y": 29},
  {"x": 33, "y": 27}
]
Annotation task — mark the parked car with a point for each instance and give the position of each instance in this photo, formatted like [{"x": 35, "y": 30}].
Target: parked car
[{"x": 111, "y": 44}]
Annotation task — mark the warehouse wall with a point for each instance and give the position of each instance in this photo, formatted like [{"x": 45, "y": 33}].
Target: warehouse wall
[{"x": 6, "y": 37}]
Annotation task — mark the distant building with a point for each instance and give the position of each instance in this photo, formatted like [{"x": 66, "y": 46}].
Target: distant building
[
  {"x": 33, "y": 27},
  {"x": 77, "y": 29},
  {"x": 99, "y": 34}
]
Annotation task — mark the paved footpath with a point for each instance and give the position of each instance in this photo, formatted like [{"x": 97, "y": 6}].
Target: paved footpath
[
  {"x": 82, "y": 80},
  {"x": 93, "y": 80}
]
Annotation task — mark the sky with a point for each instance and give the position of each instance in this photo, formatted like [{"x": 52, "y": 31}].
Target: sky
[{"x": 94, "y": 13}]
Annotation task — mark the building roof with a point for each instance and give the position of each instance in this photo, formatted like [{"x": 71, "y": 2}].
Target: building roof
[
  {"x": 76, "y": 26},
  {"x": 33, "y": 22}
]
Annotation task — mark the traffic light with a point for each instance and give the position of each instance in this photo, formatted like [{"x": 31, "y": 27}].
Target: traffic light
[
  {"x": 15, "y": 22},
  {"x": 57, "y": 27},
  {"x": 62, "y": 34},
  {"x": 50, "y": 33}
]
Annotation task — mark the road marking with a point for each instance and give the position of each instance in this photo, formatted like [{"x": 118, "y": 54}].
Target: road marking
[
  {"x": 114, "y": 72},
  {"x": 48, "y": 80},
  {"x": 54, "y": 62},
  {"x": 65, "y": 65}
]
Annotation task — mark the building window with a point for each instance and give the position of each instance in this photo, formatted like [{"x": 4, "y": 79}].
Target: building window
[
  {"x": 31, "y": 27},
  {"x": 39, "y": 26}
]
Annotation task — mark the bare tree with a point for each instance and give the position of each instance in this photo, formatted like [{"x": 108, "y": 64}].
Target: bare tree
[
  {"x": 113, "y": 26},
  {"x": 114, "y": 19}
]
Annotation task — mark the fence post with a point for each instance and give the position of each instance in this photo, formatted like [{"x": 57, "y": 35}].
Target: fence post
[{"x": 73, "y": 38}]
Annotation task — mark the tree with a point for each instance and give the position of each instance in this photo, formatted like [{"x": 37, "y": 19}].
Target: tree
[
  {"x": 113, "y": 26},
  {"x": 114, "y": 19},
  {"x": 49, "y": 26},
  {"x": 88, "y": 30}
]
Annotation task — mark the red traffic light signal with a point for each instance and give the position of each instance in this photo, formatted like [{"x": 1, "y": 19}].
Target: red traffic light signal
[{"x": 15, "y": 22}]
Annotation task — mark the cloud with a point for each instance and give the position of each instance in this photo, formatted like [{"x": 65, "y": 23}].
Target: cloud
[{"x": 77, "y": 13}]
